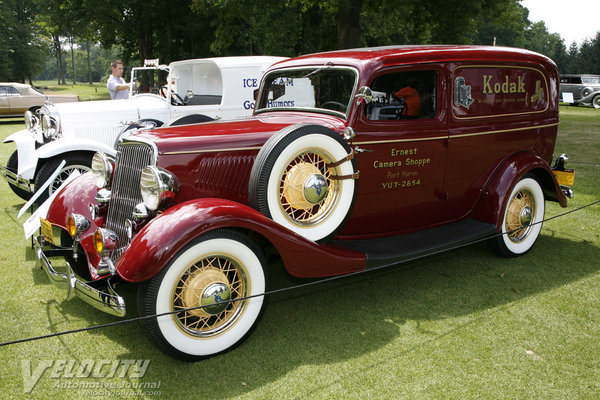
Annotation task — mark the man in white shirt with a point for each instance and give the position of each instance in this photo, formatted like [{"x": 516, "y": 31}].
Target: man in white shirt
[{"x": 117, "y": 87}]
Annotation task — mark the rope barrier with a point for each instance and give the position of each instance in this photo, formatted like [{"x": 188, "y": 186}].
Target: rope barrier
[{"x": 291, "y": 288}]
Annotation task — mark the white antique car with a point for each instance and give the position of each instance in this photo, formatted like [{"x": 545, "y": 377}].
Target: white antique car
[{"x": 183, "y": 92}]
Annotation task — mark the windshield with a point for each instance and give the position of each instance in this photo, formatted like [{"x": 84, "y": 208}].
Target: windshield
[
  {"x": 148, "y": 80},
  {"x": 322, "y": 89}
]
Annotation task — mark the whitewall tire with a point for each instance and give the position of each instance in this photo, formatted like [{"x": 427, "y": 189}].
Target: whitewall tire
[
  {"x": 297, "y": 181},
  {"x": 522, "y": 218},
  {"x": 213, "y": 271}
]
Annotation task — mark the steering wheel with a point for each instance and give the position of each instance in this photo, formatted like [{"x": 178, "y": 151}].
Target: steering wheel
[
  {"x": 163, "y": 91},
  {"x": 334, "y": 105}
]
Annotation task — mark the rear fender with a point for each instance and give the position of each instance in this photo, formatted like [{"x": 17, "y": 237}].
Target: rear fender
[
  {"x": 494, "y": 196},
  {"x": 163, "y": 237}
]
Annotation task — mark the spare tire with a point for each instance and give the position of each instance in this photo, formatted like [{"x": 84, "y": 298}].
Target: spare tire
[{"x": 305, "y": 179}]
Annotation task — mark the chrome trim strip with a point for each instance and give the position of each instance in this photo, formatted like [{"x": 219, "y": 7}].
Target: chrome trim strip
[
  {"x": 110, "y": 302},
  {"x": 456, "y": 136},
  {"x": 503, "y": 131},
  {"x": 212, "y": 151}
]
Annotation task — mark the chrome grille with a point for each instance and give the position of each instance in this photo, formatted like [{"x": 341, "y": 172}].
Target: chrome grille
[{"x": 132, "y": 157}]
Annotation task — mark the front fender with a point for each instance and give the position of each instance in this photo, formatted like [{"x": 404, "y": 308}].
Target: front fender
[
  {"x": 589, "y": 97},
  {"x": 494, "y": 197},
  {"x": 63, "y": 146},
  {"x": 27, "y": 160},
  {"x": 163, "y": 237}
]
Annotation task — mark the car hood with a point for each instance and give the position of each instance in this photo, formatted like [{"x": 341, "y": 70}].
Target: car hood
[
  {"x": 106, "y": 112},
  {"x": 244, "y": 133}
]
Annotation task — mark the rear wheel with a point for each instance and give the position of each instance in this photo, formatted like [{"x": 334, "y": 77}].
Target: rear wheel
[
  {"x": 522, "y": 219},
  {"x": 218, "y": 271},
  {"x": 13, "y": 166},
  {"x": 74, "y": 162}
]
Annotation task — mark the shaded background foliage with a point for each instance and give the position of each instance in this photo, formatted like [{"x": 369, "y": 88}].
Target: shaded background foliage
[{"x": 75, "y": 40}]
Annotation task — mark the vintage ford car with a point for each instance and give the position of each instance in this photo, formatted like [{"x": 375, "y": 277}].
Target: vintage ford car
[
  {"x": 353, "y": 160},
  {"x": 580, "y": 89},
  {"x": 199, "y": 90},
  {"x": 18, "y": 98}
]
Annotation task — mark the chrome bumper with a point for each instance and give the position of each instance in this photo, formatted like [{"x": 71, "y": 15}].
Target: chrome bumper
[
  {"x": 110, "y": 302},
  {"x": 15, "y": 180}
]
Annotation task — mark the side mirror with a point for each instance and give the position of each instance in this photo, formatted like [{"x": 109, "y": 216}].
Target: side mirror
[
  {"x": 366, "y": 94},
  {"x": 189, "y": 94},
  {"x": 255, "y": 94}
]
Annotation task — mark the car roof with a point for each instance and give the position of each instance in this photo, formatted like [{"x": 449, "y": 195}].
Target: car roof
[
  {"x": 15, "y": 85},
  {"x": 230, "y": 62},
  {"x": 364, "y": 57},
  {"x": 579, "y": 75}
]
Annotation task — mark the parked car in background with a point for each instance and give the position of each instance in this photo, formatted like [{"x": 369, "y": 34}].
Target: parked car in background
[
  {"x": 580, "y": 89},
  {"x": 17, "y": 98},
  {"x": 354, "y": 159},
  {"x": 184, "y": 92}
]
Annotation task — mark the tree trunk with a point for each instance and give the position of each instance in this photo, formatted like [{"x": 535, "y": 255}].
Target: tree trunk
[
  {"x": 73, "y": 60},
  {"x": 347, "y": 21},
  {"x": 60, "y": 71},
  {"x": 89, "y": 62}
]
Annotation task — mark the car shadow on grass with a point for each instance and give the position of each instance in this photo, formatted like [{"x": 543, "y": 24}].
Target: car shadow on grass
[{"x": 349, "y": 318}]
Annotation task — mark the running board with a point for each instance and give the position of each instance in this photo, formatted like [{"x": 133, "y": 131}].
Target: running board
[{"x": 397, "y": 249}]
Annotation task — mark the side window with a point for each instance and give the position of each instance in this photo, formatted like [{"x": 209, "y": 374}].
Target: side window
[
  {"x": 11, "y": 91},
  {"x": 403, "y": 95},
  {"x": 3, "y": 91}
]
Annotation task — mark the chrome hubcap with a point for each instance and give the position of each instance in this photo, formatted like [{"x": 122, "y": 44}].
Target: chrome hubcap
[
  {"x": 215, "y": 298},
  {"x": 315, "y": 189},
  {"x": 526, "y": 216}
]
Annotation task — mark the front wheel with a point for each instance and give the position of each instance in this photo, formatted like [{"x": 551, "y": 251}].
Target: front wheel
[
  {"x": 522, "y": 219},
  {"x": 73, "y": 162},
  {"x": 218, "y": 271},
  {"x": 596, "y": 101}
]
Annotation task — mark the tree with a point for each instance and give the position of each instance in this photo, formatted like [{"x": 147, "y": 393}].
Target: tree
[
  {"x": 551, "y": 44},
  {"x": 21, "y": 44}
]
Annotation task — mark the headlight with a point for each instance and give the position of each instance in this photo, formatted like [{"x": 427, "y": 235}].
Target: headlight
[
  {"x": 157, "y": 186},
  {"x": 50, "y": 127},
  {"x": 31, "y": 121},
  {"x": 102, "y": 169},
  {"x": 77, "y": 224},
  {"x": 50, "y": 121},
  {"x": 105, "y": 241}
]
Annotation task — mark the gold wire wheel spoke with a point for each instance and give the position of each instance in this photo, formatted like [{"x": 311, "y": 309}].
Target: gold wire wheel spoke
[
  {"x": 192, "y": 286},
  {"x": 291, "y": 190},
  {"x": 514, "y": 225}
]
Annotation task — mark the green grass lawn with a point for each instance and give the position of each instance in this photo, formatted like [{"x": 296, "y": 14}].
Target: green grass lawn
[
  {"x": 460, "y": 325},
  {"x": 95, "y": 91}
]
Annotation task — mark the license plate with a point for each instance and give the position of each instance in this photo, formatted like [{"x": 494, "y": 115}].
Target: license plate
[
  {"x": 46, "y": 229},
  {"x": 566, "y": 177}
]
